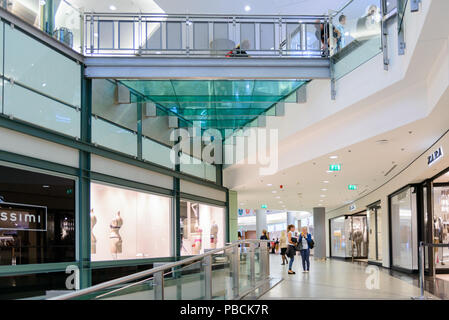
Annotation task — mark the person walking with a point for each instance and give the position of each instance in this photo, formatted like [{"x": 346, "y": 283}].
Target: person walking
[
  {"x": 305, "y": 243},
  {"x": 283, "y": 246},
  {"x": 291, "y": 250}
]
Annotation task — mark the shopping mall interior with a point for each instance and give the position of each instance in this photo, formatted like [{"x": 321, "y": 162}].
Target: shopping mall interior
[{"x": 224, "y": 150}]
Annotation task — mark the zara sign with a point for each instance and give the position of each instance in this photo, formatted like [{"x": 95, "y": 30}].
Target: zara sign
[
  {"x": 23, "y": 217},
  {"x": 436, "y": 155}
]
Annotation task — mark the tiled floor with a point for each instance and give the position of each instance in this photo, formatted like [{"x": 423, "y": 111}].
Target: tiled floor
[{"x": 337, "y": 279}]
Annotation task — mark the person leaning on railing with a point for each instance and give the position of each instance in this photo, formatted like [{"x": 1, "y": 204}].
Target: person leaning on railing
[{"x": 239, "y": 51}]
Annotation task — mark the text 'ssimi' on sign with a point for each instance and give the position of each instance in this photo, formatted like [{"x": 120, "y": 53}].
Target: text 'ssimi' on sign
[{"x": 14, "y": 216}]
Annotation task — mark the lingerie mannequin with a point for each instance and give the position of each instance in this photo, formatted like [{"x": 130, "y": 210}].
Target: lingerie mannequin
[
  {"x": 116, "y": 239},
  {"x": 93, "y": 240},
  {"x": 213, "y": 235}
]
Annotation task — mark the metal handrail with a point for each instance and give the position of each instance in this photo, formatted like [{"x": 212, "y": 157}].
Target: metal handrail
[
  {"x": 148, "y": 273},
  {"x": 136, "y": 36},
  {"x": 421, "y": 266}
]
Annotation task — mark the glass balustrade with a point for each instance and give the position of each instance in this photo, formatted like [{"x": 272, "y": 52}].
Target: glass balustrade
[
  {"x": 226, "y": 273},
  {"x": 356, "y": 35}
]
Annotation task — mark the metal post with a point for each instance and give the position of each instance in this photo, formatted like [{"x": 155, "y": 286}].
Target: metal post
[
  {"x": 252, "y": 264},
  {"x": 158, "y": 285},
  {"x": 207, "y": 264},
  {"x": 421, "y": 272},
  {"x": 92, "y": 34},
  {"x": 235, "y": 267},
  {"x": 384, "y": 30}
]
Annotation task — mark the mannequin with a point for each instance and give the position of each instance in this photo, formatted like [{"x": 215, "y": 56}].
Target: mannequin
[
  {"x": 116, "y": 239},
  {"x": 357, "y": 237},
  {"x": 213, "y": 235},
  {"x": 93, "y": 240}
]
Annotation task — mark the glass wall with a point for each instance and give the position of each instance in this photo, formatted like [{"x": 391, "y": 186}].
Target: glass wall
[
  {"x": 127, "y": 224},
  {"x": 48, "y": 99},
  {"x": 374, "y": 234},
  {"x": 404, "y": 230},
  {"x": 203, "y": 227},
  {"x": 441, "y": 225},
  {"x": 338, "y": 237},
  {"x": 356, "y": 35},
  {"x": 37, "y": 217}
]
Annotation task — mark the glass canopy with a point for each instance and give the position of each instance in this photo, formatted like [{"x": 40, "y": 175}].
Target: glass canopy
[{"x": 218, "y": 104}]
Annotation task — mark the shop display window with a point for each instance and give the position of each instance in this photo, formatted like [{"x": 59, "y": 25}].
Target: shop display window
[
  {"x": 404, "y": 230},
  {"x": 37, "y": 217},
  {"x": 202, "y": 227},
  {"x": 338, "y": 237},
  {"x": 441, "y": 225},
  {"x": 127, "y": 224}
]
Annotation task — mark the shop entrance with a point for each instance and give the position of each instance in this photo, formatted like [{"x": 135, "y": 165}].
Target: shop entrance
[
  {"x": 437, "y": 204},
  {"x": 374, "y": 218}
]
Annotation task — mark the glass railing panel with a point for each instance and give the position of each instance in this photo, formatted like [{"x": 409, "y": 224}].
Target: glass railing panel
[
  {"x": 62, "y": 83},
  {"x": 31, "y": 11},
  {"x": 68, "y": 23},
  {"x": 157, "y": 153},
  {"x": 186, "y": 284},
  {"x": 113, "y": 136},
  {"x": 258, "y": 263},
  {"x": 29, "y": 106},
  {"x": 221, "y": 276},
  {"x": 402, "y": 5},
  {"x": 244, "y": 270},
  {"x": 356, "y": 33},
  {"x": 141, "y": 290}
]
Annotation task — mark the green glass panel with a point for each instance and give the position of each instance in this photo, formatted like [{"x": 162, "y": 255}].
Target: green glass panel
[{"x": 219, "y": 104}]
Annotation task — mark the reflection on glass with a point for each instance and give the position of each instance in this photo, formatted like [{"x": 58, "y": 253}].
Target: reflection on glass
[
  {"x": 403, "y": 225},
  {"x": 356, "y": 35},
  {"x": 441, "y": 225}
]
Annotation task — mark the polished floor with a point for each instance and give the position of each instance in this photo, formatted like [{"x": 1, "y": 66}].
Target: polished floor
[{"x": 338, "y": 279}]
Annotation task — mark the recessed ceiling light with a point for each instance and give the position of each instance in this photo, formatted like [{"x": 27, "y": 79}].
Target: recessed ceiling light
[
  {"x": 328, "y": 171},
  {"x": 112, "y": 7},
  {"x": 269, "y": 184},
  {"x": 45, "y": 186},
  {"x": 333, "y": 157},
  {"x": 322, "y": 196},
  {"x": 274, "y": 191},
  {"x": 278, "y": 197},
  {"x": 321, "y": 200},
  {"x": 281, "y": 201},
  {"x": 325, "y": 181},
  {"x": 323, "y": 189},
  {"x": 247, "y": 8}
]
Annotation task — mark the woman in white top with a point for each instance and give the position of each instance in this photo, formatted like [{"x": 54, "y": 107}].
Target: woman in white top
[
  {"x": 283, "y": 246},
  {"x": 291, "y": 251}
]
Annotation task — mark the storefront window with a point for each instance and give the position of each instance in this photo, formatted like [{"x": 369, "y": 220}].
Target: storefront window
[
  {"x": 37, "y": 217},
  {"x": 338, "y": 237},
  {"x": 202, "y": 227},
  {"x": 127, "y": 224},
  {"x": 441, "y": 225},
  {"x": 404, "y": 230}
]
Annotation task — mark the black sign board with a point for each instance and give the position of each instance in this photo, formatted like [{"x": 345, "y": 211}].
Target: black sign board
[{"x": 23, "y": 217}]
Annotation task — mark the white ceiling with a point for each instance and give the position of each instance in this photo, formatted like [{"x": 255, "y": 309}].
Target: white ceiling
[
  {"x": 295, "y": 7},
  {"x": 364, "y": 164}
]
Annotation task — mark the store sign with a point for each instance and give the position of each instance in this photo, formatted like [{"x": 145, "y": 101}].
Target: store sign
[
  {"x": 436, "y": 155},
  {"x": 352, "y": 207},
  {"x": 14, "y": 216},
  {"x": 264, "y": 206}
]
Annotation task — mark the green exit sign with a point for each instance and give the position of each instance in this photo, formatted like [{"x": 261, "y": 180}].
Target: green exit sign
[
  {"x": 264, "y": 206},
  {"x": 352, "y": 187},
  {"x": 335, "y": 167}
]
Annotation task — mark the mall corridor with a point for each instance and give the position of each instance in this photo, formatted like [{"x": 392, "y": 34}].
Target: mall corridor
[{"x": 338, "y": 280}]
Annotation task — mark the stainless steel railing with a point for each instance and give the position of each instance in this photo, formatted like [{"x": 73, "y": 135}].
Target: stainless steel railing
[
  {"x": 202, "y": 35},
  {"x": 421, "y": 266},
  {"x": 255, "y": 278}
]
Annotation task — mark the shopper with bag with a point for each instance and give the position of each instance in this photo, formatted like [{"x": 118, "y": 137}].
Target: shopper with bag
[
  {"x": 291, "y": 251},
  {"x": 305, "y": 243}
]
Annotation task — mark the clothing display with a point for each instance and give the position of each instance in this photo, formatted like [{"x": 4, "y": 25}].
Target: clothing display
[
  {"x": 441, "y": 225},
  {"x": 116, "y": 239},
  {"x": 93, "y": 240}
]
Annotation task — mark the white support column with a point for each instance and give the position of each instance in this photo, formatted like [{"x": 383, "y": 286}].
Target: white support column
[
  {"x": 319, "y": 227},
  {"x": 261, "y": 222}
]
